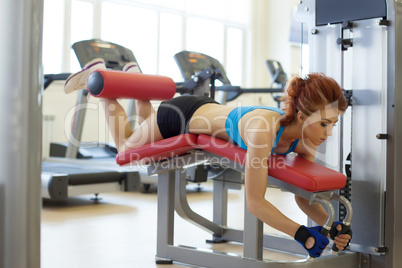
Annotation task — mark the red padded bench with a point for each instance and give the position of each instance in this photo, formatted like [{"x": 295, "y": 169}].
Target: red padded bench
[{"x": 291, "y": 169}]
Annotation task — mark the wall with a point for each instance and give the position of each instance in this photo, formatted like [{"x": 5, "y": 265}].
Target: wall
[{"x": 269, "y": 39}]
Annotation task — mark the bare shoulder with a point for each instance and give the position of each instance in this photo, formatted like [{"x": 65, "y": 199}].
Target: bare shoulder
[
  {"x": 258, "y": 128},
  {"x": 261, "y": 119}
]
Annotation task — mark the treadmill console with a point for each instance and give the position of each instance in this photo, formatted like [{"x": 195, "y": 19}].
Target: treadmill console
[
  {"x": 115, "y": 56},
  {"x": 191, "y": 62},
  {"x": 278, "y": 74}
]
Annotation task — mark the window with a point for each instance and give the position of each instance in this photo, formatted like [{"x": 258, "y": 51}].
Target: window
[
  {"x": 154, "y": 30},
  {"x": 136, "y": 29},
  {"x": 205, "y": 36},
  {"x": 82, "y": 14},
  {"x": 53, "y": 17},
  {"x": 170, "y": 43},
  {"x": 234, "y": 52}
]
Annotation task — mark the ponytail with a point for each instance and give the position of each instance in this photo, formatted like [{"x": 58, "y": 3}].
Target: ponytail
[{"x": 309, "y": 94}]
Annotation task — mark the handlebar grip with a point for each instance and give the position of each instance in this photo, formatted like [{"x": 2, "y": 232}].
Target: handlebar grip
[
  {"x": 325, "y": 230},
  {"x": 345, "y": 230}
]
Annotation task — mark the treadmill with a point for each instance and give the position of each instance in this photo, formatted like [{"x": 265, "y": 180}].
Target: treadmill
[
  {"x": 67, "y": 172},
  {"x": 63, "y": 180},
  {"x": 190, "y": 63},
  {"x": 115, "y": 57},
  {"x": 100, "y": 155}
]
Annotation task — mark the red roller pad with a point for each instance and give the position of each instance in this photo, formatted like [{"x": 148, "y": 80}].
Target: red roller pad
[{"x": 123, "y": 85}]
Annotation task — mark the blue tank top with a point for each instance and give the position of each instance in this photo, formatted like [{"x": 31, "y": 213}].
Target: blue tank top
[{"x": 232, "y": 126}]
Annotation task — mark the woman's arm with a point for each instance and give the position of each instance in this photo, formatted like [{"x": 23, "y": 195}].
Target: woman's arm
[
  {"x": 259, "y": 144},
  {"x": 316, "y": 212},
  {"x": 256, "y": 177}
]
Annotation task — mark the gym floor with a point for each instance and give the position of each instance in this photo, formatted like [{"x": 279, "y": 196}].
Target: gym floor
[{"x": 119, "y": 231}]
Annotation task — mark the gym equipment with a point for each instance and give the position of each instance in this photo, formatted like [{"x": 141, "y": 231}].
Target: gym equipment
[
  {"x": 115, "y": 57},
  {"x": 299, "y": 176},
  {"x": 191, "y": 63},
  {"x": 61, "y": 178},
  {"x": 102, "y": 83},
  {"x": 360, "y": 48},
  {"x": 170, "y": 157},
  {"x": 279, "y": 77}
]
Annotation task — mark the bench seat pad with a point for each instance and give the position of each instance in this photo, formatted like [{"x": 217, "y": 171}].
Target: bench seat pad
[
  {"x": 158, "y": 151},
  {"x": 291, "y": 169}
]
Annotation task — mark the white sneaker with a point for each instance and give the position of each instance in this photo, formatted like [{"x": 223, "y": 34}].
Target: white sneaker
[
  {"x": 131, "y": 67},
  {"x": 79, "y": 80}
]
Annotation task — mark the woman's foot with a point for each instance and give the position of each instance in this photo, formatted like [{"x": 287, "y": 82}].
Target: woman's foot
[
  {"x": 79, "y": 80},
  {"x": 131, "y": 67}
]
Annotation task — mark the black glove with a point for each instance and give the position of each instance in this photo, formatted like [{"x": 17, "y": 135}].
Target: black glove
[
  {"x": 334, "y": 233},
  {"x": 303, "y": 233}
]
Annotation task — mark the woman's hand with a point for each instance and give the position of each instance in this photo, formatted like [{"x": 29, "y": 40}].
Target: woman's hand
[
  {"x": 309, "y": 242},
  {"x": 312, "y": 240},
  {"x": 341, "y": 240}
]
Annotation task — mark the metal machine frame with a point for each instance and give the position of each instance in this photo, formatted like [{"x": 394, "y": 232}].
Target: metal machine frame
[
  {"x": 172, "y": 198},
  {"x": 359, "y": 47}
]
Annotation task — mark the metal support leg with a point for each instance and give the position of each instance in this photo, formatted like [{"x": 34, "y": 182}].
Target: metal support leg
[
  {"x": 165, "y": 227},
  {"x": 220, "y": 208},
  {"x": 184, "y": 210},
  {"x": 220, "y": 203}
]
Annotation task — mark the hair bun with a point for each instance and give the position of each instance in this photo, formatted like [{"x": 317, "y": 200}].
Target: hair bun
[{"x": 309, "y": 94}]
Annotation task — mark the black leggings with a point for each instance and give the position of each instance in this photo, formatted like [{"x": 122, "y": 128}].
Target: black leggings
[{"x": 173, "y": 116}]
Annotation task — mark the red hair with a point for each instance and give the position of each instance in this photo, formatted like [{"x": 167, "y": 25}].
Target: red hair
[{"x": 309, "y": 94}]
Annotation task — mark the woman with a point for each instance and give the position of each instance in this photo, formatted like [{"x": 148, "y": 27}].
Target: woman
[{"x": 312, "y": 107}]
